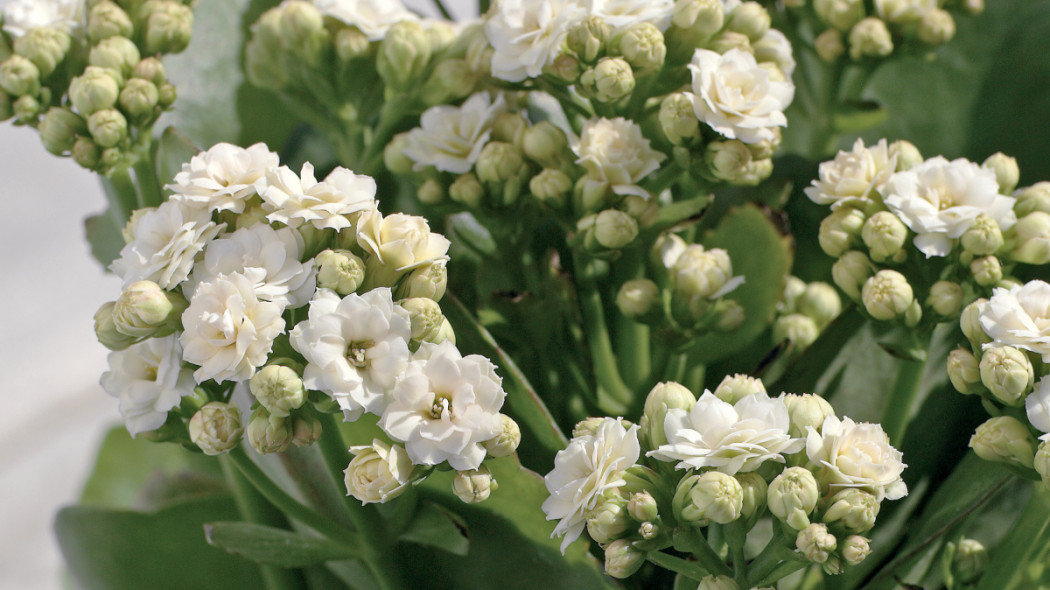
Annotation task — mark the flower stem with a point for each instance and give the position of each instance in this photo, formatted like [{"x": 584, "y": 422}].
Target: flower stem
[
  {"x": 898, "y": 410},
  {"x": 149, "y": 191},
  {"x": 689, "y": 539},
  {"x": 678, "y": 565},
  {"x": 735, "y": 537},
  {"x": 606, "y": 371}
]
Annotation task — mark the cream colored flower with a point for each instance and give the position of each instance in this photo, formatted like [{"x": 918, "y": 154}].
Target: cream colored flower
[
  {"x": 297, "y": 199},
  {"x": 903, "y": 11},
  {"x": 854, "y": 177},
  {"x": 451, "y": 138},
  {"x": 622, "y": 14},
  {"x": 527, "y": 35},
  {"x": 853, "y": 455},
  {"x": 22, "y": 16},
  {"x": 1019, "y": 317},
  {"x": 224, "y": 177},
  {"x": 615, "y": 153},
  {"x": 1037, "y": 406},
  {"x": 372, "y": 17},
  {"x": 149, "y": 380},
  {"x": 400, "y": 242},
  {"x": 377, "y": 473}
]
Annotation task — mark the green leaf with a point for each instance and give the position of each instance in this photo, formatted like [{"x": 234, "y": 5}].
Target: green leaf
[
  {"x": 1019, "y": 561},
  {"x": 463, "y": 228},
  {"x": 274, "y": 546},
  {"x": 110, "y": 549},
  {"x": 103, "y": 232},
  {"x": 173, "y": 150},
  {"x": 435, "y": 526}
]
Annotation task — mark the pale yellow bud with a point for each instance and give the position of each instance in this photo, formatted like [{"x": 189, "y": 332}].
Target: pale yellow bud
[
  {"x": 734, "y": 388},
  {"x": 816, "y": 543},
  {"x": 306, "y": 430},
  {"x": 982, "y": 238},
  {"x": 841, "y": 14},
  {"x": 1007, "y": 172},
  {"x": 806, "y": 411},
  {"x": 508, "y": 439},
  {"x": 216, "y": 428},
  {"x": 1007, "y": 373},
  {"x": 467, "y": 190},
  {"x": 622, "y": 559},
  {"x": 639, "y": 299},
  {"x": 403, "y": 54},
  {"x": 551, "y": 186},
  {"x": 792, "y": 496},
  {"x": 852, "y": 510},
  {"x": 936, "y": 27},
  {"x": 839, "y": 230},
  {"x": 728, "y": 160},
  {"x": 339, "y": 270},
  {"x": 750, "y": 19},
  {"x": 829, "y": 45},
  {"x": 1004, "y": 439},
  {"x": 870, "y": 38},
  {"x": 908, "y": 156},
  {"x": 969, "y": 561},
  {"x": 394, "y": 155},
  {"x": 45, "y": 47},
  {"x": 144, "y": 310},
  {"x": 19, "y": 76},
  {"x": 663, "y": 397},
  {"x": 945, "y": 298},
  {"x": 106, "y": 330},
  {"x": 475, "y": 485},
  {"x": 106, "y": 19},
  {"x": 887, "y": 295},
  {"x": 728, "y": 40},
  {"x": 677, "y": 118},
  {"x": 642, "y": 45},
  {"x": 279, "y": 389},
  {"x": 821, "y": 302},
  {"x": 587, "y": 38},
  {"x": 1041, "y": 462},
  {"x": 964, "y": 372},
  {"x": 850, "y": 271},
  {"x": 544, "y": 143},
  {"x": 609, "y": 80},
  {"x": 1031, "y": 239},
  {"x": 59, "y": 130},
  {"x": 718, "y": 583},
  {"x": 426, "y": 281},
  {"x": 267, "y": 433},
  {"x": 609, "y": 520},
  {"x": 755, "y": 493},
  {"x": 884, "y": 234},
  {"x": 1032, "y": 198},
  {"x": 614, "y": 229},
  {"x": 710, "y": 497},
  {"x": 987, "y": 271},
  {"x": 855, "y": 549}
]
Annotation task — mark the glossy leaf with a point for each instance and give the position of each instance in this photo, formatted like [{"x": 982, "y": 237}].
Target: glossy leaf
[
  {"x": 1019, "y": 562},
  {"x": 435, "y": 526},
  {"x": 173, "y": 150},
  {"x": 273, "y": 546}
]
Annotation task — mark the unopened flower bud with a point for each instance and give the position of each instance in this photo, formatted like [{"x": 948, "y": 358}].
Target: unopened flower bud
[
  {"x": 144, "y": 310},
  {"x": 728, "y": 40},
  {"x": 806, "y": 410},
  {"x": 964, "y": 372},
  {"x": 216, "y": 428},
  {"x": 816, "y": 543},
  {"x": 565, "y": 68},
  {"x": 712, "y": 496},
  {"x": 150, "y": 68},
  {"x": 474, "y": 485},
  {"x": 887, "y": 295},
  {"x": 426, "y": 281},
  {"x": 792, "y": 496},
  {"x": 508, "y": 439},
  {"x": 870, "y": 38},
  {"x": 167, "y": 26},
  {"x": 728, "y": 160},
  {"x": 855, "y": 549},
  {"x": 718, "y": 583},
  {"x": 755, "y": 493},
  {"x": 139, "y": 98},
  {"x": 86, "y": 153},
  {"x": 27, "y": 110},
  {"x": 279, "y": 389},
  {"x": 969, "y": 561},
  {"x": 105, "y": 20},
  {"x": 46, "y": 47},
  {"x": 425, "y": 315},
  {"x": 970, "y": 322},
  {"x": 639, "y": 299},
  {"x": 703, "y": 18},
  {"x": 351, "y": 43},
  {"x": 1031, "y": 239},
  {"x": 1004, "y": 439},
  {"x": 852, "y": 510},
  {"x": 587, "y": 38},
  {"x": 819, "y": 301},
  {"x": 982, "y": 238},
  {"x": 614, "y": 229},
  {"x": 945, "y": 298},
  {"x": 751, "y": 19},
  {"x": 115, "y": 53},
  {"x": 431, "y": 192},
  {"x": 394, "y": 157},
  {"x": 642, "y": 507},
  {"x": 339, "y": 270},
  {"x": 544, "y": 143},
  {"x": 166, "y": 95},
  {"x": 498, "y": 162},
  {"x": 841, "y": 14},
  {"x": 884, "y": 234},
  {"x": 677, "y": 118},
  {"x": 106, "y": 330},
  {"x": 466, "y": 190},
  {"x": 1032, "y": 198},
  {"x": 108, "y": 127},
  {"x": 829, "y": 45},
  {"x": 267, "y": 433},
  {"x": 986, "y": 271},
  {"x": 936, "y": 27},
  {"x": 664, "y": 396},
  {"x": 734, "y": 388},
  {"x": 840, "y": 229},
  {"x": 551, "y": 186},
  {"x": 609, "y": 80},
  {"x": 700, "y": 273},
  {"x": 642, "y": 45},
  {"x": 1041, "y": 463},
  {"x": 1007, "y": 173},
  {"x": 19, "y": 76},
  {"x": 306, "y": 430},
  {"x": 378, "y": 473},
  {"x": 622, "y": 559},
  {"x": 403, "y": 54},
  {"x": 609, "y": 520},
  {"x": 973, "y": 6},
  {"x": 1007, "y": 373},
  {"x": 644, "y": 209},
  {"x": 59, "y": 130},
  {"x": 94, "y": 90}
]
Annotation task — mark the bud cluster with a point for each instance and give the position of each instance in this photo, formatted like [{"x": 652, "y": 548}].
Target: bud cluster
[{"x": 803, "y": 312}]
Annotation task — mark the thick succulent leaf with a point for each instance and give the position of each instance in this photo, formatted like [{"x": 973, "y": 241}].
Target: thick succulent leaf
[{"x": 274, "y": 546}]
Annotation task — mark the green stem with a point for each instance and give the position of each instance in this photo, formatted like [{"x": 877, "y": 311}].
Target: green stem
[
  {"x": 675, "y": 368},
  {"x": 898, "y": 410},
  {"x": 678, "y": 565},
  {"x": 632, "y": 338},
  {"x": 149, "y": 191},
  {"x": 784, "y": 569},
  {"x": 122, "y": 193},
  {"x": 606, "y": 371},
  {"x": 689, "y": 539},
  {"x": 441, "y": 8},
  {"x": 772, "y": 554},
  {"x": 735, "y": 537}
]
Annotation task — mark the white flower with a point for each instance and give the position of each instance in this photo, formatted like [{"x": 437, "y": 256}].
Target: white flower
[
  {"x": 229, "y": 332},
  {"x": 853, "y": 177},
  {"x": 149, "y": 380},
  {"x": 903, "y": 11},
  {"x": 21, "y": 16},
  {"x": 736, "y": 97},
  {"x": 774, "y": 47},
  {"x": 622, "y": 14},
  {"x": 378, "y": 472},
  {"x": 614, "y": 152},
  {"x": 856, "y": 455},
  {"x": 267, "y": 257},
  {"x": 401, "y": 242},
  {"x": 445, "y": 406},
  {"x": 731, "y": 438},
  {"x": 451, "y": 138},
  {"x": 527, "y": 35},
  {"x": 224, "y": 177},
  {"x": 583, "y": 471},
  {"x": 372, "y": 17},
  {"x": 939, "y": 200},
  {"x": 165, "y": 242},
  {"x": 1019, "y": 317},
  {"x": 296, "y": 199},
  {"x": 355, "y": 347},
  {"x": 1037, "y": 406}
]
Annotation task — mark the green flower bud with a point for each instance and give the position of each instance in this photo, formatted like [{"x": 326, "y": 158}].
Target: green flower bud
[
  {"x": 730, "y": 315},
  {"x": 498, "y": 162},
  {"x": 710, "y": 497},
  {"x": 59, "y": 130},
  {"x": 474, "y": 485},
  {"x": 792, "y": 496},
  {"x": 964, "y": 372},
  {"x": 106, "y": 329},
  {"x": 431, "y": 192},
  {"x": 565, "y": 68},
  {"x": 303, "y": 32},
  {"x": 139, "y": 98},
  {"x": 351, "y": 44},
  {"x": 839, "y": 230},
  {"x": 378, "y": 473},
  {"x": 403, "y": 54},
  {"x": 105, "y": 20},
  {"x": 1031, "y": 239},
  {"x": 551, "y": 186},
  {"x": 1004, "y": 439},
  {"x": 734, "y": 388},
  {"x": 755, "y": 493},
  {"x": 108, "y": 127},
  {"x": 751, "y": 19},
  {"x": 94, "y": 90},
  {"x": 662, "y": 397},
  {"x": 728, "y": 40},
  {"x": 642, "y": 507},
  {"x": 969, "y": 561},
  {"x": 167, "y": 26},
  {"x": 908, "y": 156},
  {"x": 639, "y": 299},
  {"x": 855, "y": 549},
  {"x": 45, "y": 47},
  {"x": 870, "y": 38},
  {"x": 426, "y": 281},
  {"x": 829, "y": 45},
  {"x": 544, "y": 143},
  {"x": 144, "y": 310},
  {"x": 279, "y": 389},
  {"x": 1032, "y": 198},
  {"x": 394, "y": 157},
  {"x": 451, "y": 80},
  {"x": 1007, "y": 373},
  {"x": 506, "y": 442},
  {"x": 717, "y": 583},
  {"x": 986, "y": 271},
  {"x": 166, "y": 95},
  {"x": 884, "y": 234},
  {"x": 699, "y": 273},
  {"x": 852, "y": 510},
  {"x": 821, "y": 302},
  {"x": 642, "y": 45},
  {"x": 677, "y": 118},
  {"x": 970, "y": 321},
  {"x": 27, "y": 110},
  {"x": 794, "y": 287},
  {"x": 945, "y": 298},
  {"x": 1007, "y": 173},
  {"x": 587, "y": 38},
  {"x": 887, "y": 295},
  {"x": 467, "y": 190},
  {"x": 86, "y": 153},
  {"x": 728, "y": 160},
  {"x": 983, "y": 237},
  {"x": 614, "y": 229},
  {"x": 816, "y": 543},
  {"x": 264, "y": 52},
  {"x": 702, "y": 17},
  {"x": 267, "y": 433},
  {"x": 426, "y": 317},
  {"x": 19, "y": 76},
  {"x": 306, "y": 430},
  {"x": 339, "y": 270},
  {"x": 841, "y": 14},
  {"x": 151, "y": 69},
  {"x": 936, "y": 27},
  {"x": 115, "y": 53},
  {"x": 645, "y": 210},
  {"x": 216, "y": 428},
  {"x": 1041, "y": 462},
  {"x": 807, "y": 410},
  {"x": 609, "y": 520},
  {"x": 609, "y": 80},
  {"x": 622, "y": 559}
]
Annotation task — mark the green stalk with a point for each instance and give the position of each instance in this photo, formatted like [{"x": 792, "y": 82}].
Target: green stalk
[
  {"x": 678, "y": 565},
  {"x": 784, "y": 569},
  {"x": 736, "y": 535},
  {"x": 689, "y": 539},
  {"x": 606, "y": 370},
  {"x": 149, "y": 191},
  {"x": 898, "y": 410},
  {"x": 441, "y": 8},
  {"x": 632, "y": 338}
]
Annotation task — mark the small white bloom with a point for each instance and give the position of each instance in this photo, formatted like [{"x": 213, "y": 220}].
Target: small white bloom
[
  {"x": 229, "y": 332},
  {"x": 622, "y": 14},
  {"x": 853, "y": 177},
  {"x": 445, "y": 406},
  {"x": 856, "y": 455},
  {"x": 267, "y": 257},
  {"x": 736, "y": 97},
  {"x": 903, "y": 11},
  {"x": 372, "y": 17},
  {"x": 614, "y": 152},
  {"x": 21, "y": 16},
  {"x": 296, "y": 199},
  {"x": 1037, "y": 406},
  {"x": 583, "y": 471},
  {"x": 224, "y": 177},
  {"x": 774, "y": 47},
  {"x": 731, "y": 438},
  {"x": 355, "y": 347},
  {"x": 527, "y": 35},
  {"x": 939, "y": 200},
  {"x": 165, "y": 242},
  {"x": 401, "y": 242},
  {"x": 149, "y": 380},
  {"x": 451, "y": 138},
  {"x": 1019, "y": 317},
  {"x": 378, "y": 472}
]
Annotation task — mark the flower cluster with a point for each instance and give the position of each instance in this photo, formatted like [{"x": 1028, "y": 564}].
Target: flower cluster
[
  {"x": 728, "y": 459},
  {"x": 88, "y": 75},
  {"x": 804, "y": 311},
  {"x": 896, "y": 220},
  {"x": 301, "y": 290}
]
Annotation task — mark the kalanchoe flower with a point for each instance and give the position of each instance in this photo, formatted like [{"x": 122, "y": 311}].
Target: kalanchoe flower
[
  {"x": 730, "y": 438},
  {"x": 616, "y": 154},
  {"x": 526, "y": 35},
  {"x": 297, "y": 199},
  {"x": 622, "y": 14},
  {"x": 852, "y": 455},
  {"x": 1020, "y": 317},
  {"x": 451, "y": 138},
  {"x": 1037, "y": 406},
  {"x": 397, "y": 244},
  {"x": 22, "y": 16},
  {"x": 223, "y": 177},
  {"x": 377, "y": 473},
  {"x": 149, "y": 380},
  {"x": 372, "y": 17},
  {"x": 854, "y": 177}
]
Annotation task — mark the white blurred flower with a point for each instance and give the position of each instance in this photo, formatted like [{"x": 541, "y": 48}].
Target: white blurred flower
[
  {"x": 736, "y": 97},
  {"x": 774, "y": 47},
  {"x": 853, "y": 177},
  {"x": 21, "y": 16},
  {"x": 355, "y": 347},
  {"x": 224, "y": 177},
  {"x": 1019, "y": 317},
  {"x": 614, "y": 152},
  {"x": 149, "y": 380},
  {"x": 451, "y": 138},
  {"x": 730, "y": 438},
  {"x": 267, "y": 257},
  {"x": 372, "y": 17},
  {"x": 527, "y": 35},
  {"x": 1037, "y": 406},
  {"x": 378, "y": 472},
  {"x": 853, "y": 455},
  {"x": 166, "y": 240},
  {"x": 445, "y": 406},
  {"x": 401, "y": 242},
  {"x": 296, "y": 199},
  {"x": 583, "y": 471},
  {"x": 939, "y": 200},
  {"x": 903, "y": 11},
  {"x": 622, "y": 14},
  {"x": 228, "y": 331}
]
